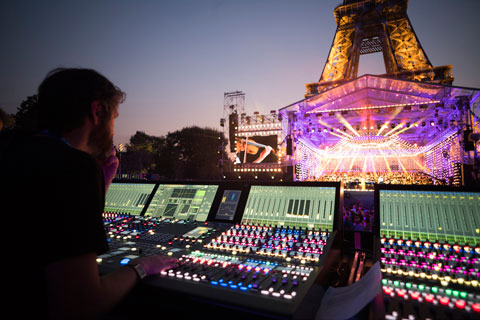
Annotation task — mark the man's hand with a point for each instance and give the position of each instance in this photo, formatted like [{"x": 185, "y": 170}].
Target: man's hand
[
  {"x": 109, "y": 167},
  {"x": 156, "y": 264}
]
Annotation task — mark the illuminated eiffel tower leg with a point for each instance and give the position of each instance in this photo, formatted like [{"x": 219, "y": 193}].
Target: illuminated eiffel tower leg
[{"x": 371, "y": 26}]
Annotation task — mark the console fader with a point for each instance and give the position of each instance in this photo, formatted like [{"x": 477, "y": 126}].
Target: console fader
[{"x": 258, "y": 247}]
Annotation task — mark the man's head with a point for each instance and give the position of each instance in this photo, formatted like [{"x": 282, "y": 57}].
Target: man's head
[{"x": 68, "y": 97}]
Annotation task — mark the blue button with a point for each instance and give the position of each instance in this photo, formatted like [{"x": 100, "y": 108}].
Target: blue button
[
  {"x": 214, "y": 283},
  {"x": 124, "y": 261}
]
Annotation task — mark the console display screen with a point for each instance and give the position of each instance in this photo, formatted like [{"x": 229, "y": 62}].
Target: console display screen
[
  {"x": 185, "y": 202},
  {"x": 127, "y": 198},
  {"x": 291, "y": 206},
  {"x": 228, "y": 205}
]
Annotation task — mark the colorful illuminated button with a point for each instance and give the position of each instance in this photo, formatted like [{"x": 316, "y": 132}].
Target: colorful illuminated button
[
  {"x": 460, "y": 304},
  {"x": 415, "y": 295},
  {"x": 429, "y": 297},
  {"x": 444, "y": 300},
  {"x": 476, "y": 307}
]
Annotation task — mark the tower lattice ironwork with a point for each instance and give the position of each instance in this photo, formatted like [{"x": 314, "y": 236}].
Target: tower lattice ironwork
[{"x": 371, "y": 26}]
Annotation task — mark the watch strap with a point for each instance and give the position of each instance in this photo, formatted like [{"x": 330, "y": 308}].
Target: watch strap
[{"x": 138, "y": 269}]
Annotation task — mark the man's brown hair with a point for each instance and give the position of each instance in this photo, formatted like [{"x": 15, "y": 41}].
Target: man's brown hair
[{"x": 66, "y": 94}]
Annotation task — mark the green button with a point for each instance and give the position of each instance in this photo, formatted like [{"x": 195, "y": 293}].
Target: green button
[
  {"x": 421, "y": 287},
  {"x": 448, "y": 292},
  {"x": 455, "y": 293},
  {"x": 463, "y": 294},
  {"x": 408, "y": 285},
  {"x": 384, "y": 281},
  {"x": 434, "y": 289},
  {"x": 396, "y": 283}
]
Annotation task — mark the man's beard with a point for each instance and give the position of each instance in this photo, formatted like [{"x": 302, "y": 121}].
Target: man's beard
[{"x": 101, "y": 141}]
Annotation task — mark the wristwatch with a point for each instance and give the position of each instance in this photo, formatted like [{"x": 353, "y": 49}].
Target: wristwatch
[{"x": 138, "y": 269}]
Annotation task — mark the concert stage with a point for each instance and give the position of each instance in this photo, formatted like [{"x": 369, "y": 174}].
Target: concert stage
[{"x": 376, "y": 128}]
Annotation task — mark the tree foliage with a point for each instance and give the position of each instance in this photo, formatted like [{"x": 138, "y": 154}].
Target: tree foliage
[
  {"x": 26, "y": 118},
  {"x": 189, "y": 153}
]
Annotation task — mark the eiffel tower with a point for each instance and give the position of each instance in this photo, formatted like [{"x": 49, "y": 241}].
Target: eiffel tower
[{"x": 369, "y": 26}]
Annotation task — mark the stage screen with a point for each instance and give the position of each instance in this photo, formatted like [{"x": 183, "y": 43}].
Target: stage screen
[{"x": 259, "y": 149}]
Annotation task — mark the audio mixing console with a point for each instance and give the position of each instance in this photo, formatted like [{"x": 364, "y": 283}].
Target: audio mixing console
[
  {"x": 128, "y": 198},
  {"x": 429, "y": 252},
  {"x": 259, "y": 247}
]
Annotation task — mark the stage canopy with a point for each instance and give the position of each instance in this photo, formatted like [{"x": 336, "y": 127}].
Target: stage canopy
[{"x": 375, "y": 116}]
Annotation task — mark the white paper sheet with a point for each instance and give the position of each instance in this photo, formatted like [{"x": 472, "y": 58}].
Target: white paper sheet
[{"x": 345, "y": 302}]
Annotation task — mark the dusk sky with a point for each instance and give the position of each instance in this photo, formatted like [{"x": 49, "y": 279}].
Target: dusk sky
[{"x": 175, "y": 59}]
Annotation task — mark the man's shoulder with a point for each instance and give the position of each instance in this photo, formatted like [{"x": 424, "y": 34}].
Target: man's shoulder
[{"x": 45, "y": 153}]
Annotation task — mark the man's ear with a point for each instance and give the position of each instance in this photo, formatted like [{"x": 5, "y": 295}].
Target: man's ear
[{"x": 96, "y": 112}]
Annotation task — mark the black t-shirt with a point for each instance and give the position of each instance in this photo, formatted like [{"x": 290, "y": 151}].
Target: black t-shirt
[{"x": 53, "y": 196}]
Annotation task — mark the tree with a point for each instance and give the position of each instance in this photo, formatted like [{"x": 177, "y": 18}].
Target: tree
[
  {"x": 142, "y": 152},
  {"x": 26, "y": 118},
  {"x": 196, "y": 153},
  {"x": 189, "y": 153}
]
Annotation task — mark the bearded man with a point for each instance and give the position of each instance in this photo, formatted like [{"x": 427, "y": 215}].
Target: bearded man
[{"x": 52, "y": 187}]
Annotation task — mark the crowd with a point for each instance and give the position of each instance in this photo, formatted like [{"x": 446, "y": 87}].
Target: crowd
[
  {"x": 358, "y": 218},
  {"x": 360, "y": 180}
]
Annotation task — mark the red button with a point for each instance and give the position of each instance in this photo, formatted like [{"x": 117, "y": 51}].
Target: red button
[
  {"x": 476, "y": 307},
  {"x": 415, "y": 295},
  {"x": 444, "y": 301},
  {"x": 401, "y": 293},
  {"x": 460, "y": 304},
  {"x": 388, "y": 290},
  {"x": 429, "y": 297}
]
